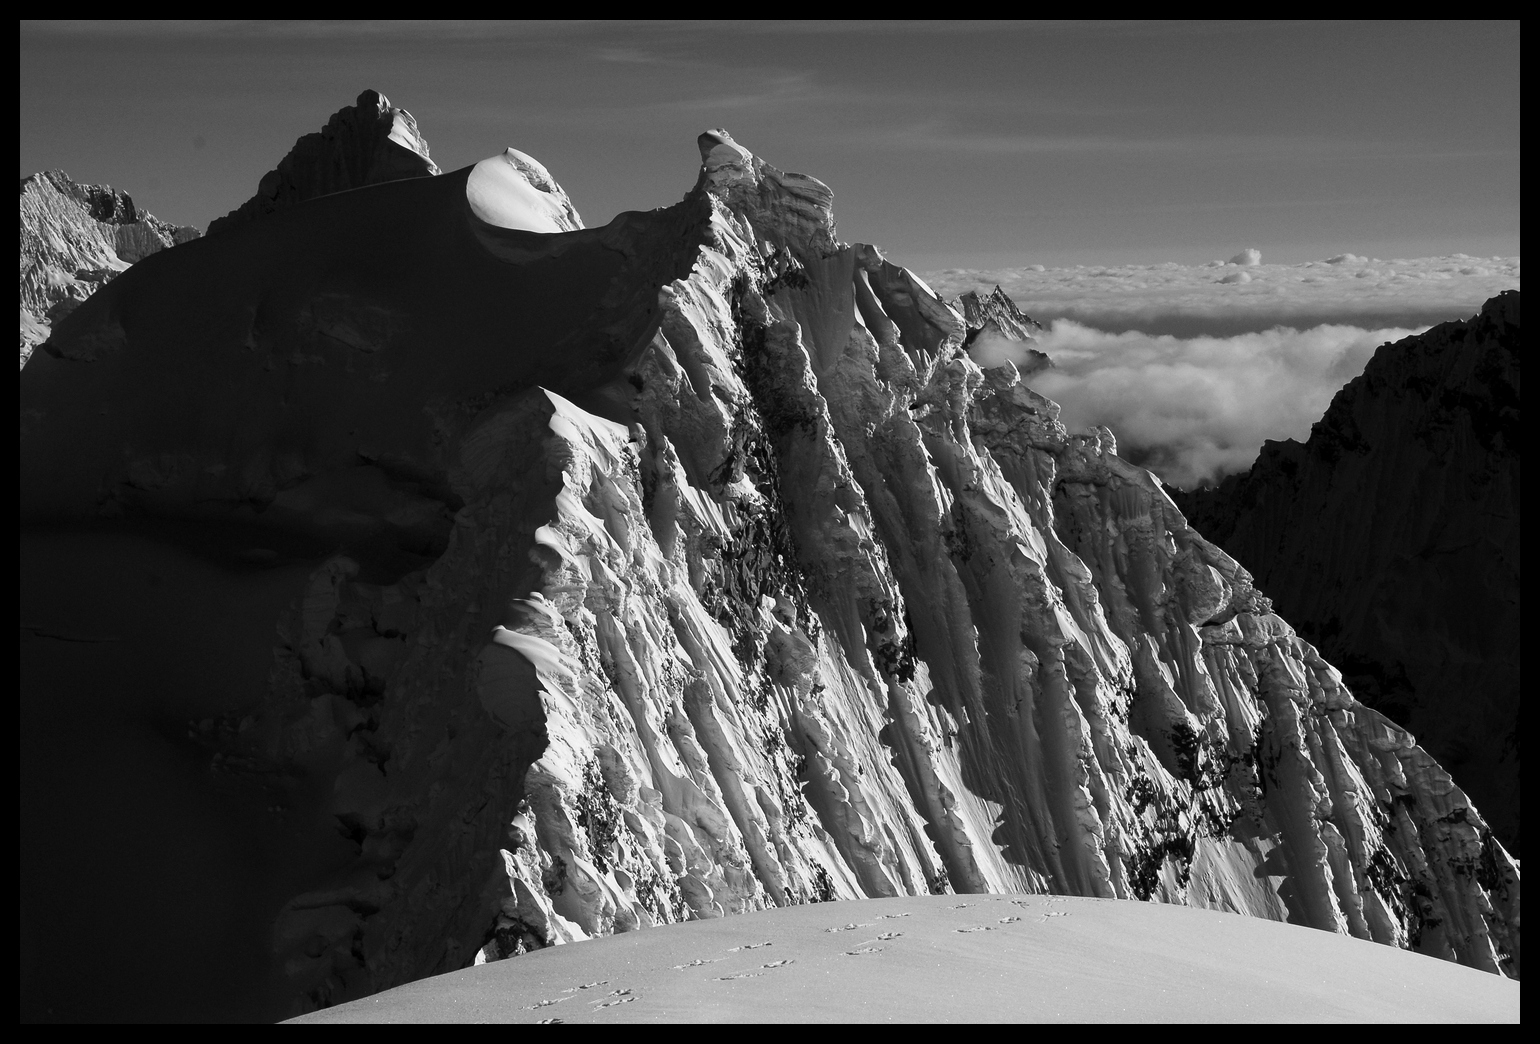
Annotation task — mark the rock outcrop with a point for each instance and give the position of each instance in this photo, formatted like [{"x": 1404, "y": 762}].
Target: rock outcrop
[
  {"x": 367, "y": 143},
  {"x": 688, "y": 566},
  {"x": 1390, "y": 539},
  {"x": 74, "y": 239}
]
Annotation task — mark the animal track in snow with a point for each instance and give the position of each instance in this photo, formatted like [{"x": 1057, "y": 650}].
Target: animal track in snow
[
  {"x": 847, "y": 928},
  {"x": 618, "y": 1000},
  {"x": 863, "y": 949},
  {"x": 740, "y": 975},
  {"x": 976, "y": 928},
  {"x": 551, "y": 1022},
  {"x": 778, "y": 964},
  {"x": 748, "y": 946},
  {"x": 1009, "y": 920},
  {"x": 889, "y": 936}
]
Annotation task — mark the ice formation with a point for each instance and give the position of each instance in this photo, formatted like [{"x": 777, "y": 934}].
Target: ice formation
[{"x": 689, "y": 566}]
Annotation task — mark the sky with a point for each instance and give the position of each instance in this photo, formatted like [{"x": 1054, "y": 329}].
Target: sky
[
  {"x": 1217, "y": 221},
  {"x": 951, "y": 144}
]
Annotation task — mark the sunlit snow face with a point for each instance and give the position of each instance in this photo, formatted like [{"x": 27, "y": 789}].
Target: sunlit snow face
[{"x": 501, "y": 192}]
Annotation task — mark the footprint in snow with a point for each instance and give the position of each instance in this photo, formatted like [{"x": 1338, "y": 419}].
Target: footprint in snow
[
  {"x": 846, "y": 928},
  {"x": 976, "y": 928},
  {"x": 748, "y": 946},
  {"x": 1009, "y": 920},
  {"x": 889, "y": 936},
  {"x": 962, "y": 906},
  {"x": 612, "y": 1003},
  {"x": 551, "y": 1022},
  {"x": 740, "y": 975},
  {"x": 546, "y": 1003},
  {"x": 588, "y": 986},
  {"x": 863, "y": 949},
  {"x": 778, "y": 964},
  {"x": 698, "y": 963}
]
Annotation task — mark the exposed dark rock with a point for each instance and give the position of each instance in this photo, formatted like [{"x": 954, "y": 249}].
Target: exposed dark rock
[
  {"x": 1390, "y": 540},
  {"x": 367, "y": 143}
]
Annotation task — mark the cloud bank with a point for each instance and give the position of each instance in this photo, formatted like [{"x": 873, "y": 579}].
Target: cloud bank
[
  {"x": 1193, "y": 367},
  {"x": 1195, "y": 409},
  {"x": 1245, "y": 294}
]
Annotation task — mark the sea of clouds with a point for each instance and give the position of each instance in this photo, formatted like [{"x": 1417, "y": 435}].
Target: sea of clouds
[{"x": 1194, "y": 366}]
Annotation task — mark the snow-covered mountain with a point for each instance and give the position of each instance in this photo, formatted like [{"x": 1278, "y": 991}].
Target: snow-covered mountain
[
  {"x": 74, "y": 239},
  {"x": 673, "y": 569},
  {"x": 1391, "y": 539}
]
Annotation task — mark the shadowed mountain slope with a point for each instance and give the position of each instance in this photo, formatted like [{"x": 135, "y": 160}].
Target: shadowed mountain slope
[{"x": 1390, "y": 539}]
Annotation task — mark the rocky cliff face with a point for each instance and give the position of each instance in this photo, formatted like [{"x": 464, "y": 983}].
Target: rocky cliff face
[
  {"x": 689, "y": 566},
  {"x": 366, "y": 143},
  {"x": 74, "y": 239},
  {"x": 1391, "y": 541}
]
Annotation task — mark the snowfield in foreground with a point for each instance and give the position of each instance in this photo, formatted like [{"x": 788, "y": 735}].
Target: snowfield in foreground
[{"x": 958, "y": 958}]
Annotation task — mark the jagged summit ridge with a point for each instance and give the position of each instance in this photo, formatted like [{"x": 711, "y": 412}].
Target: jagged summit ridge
[
  {"x": 74, "y": 239},
  {"x": 369, "y": 142},
  {"x": 689, "y": 565}
]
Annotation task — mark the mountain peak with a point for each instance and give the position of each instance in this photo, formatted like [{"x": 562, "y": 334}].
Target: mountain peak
[
  {"x": 368, "y": 142},
  {"x": 74, "y": 239}
]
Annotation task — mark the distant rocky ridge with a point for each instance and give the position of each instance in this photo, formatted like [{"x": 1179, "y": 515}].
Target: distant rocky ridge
[
  {"x": 366, "y": 143},
  {"x": 998, "y": 315},
  {"x": 1390, "y": 540},
  {"x": 677, "y": 568},
  {"x": 74, "y": 239}
]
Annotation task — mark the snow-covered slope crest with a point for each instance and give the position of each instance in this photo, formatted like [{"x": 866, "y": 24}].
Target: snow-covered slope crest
[
  {"x": 74, "y": 239},
  {"x": 368, "y": 142}
]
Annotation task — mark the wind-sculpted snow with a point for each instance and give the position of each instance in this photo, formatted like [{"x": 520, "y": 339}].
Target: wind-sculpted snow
[
  {"x": 779, "y": 598},
  {"x": 74, "y": 239},
  {"x": 512, "y": 190}
]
